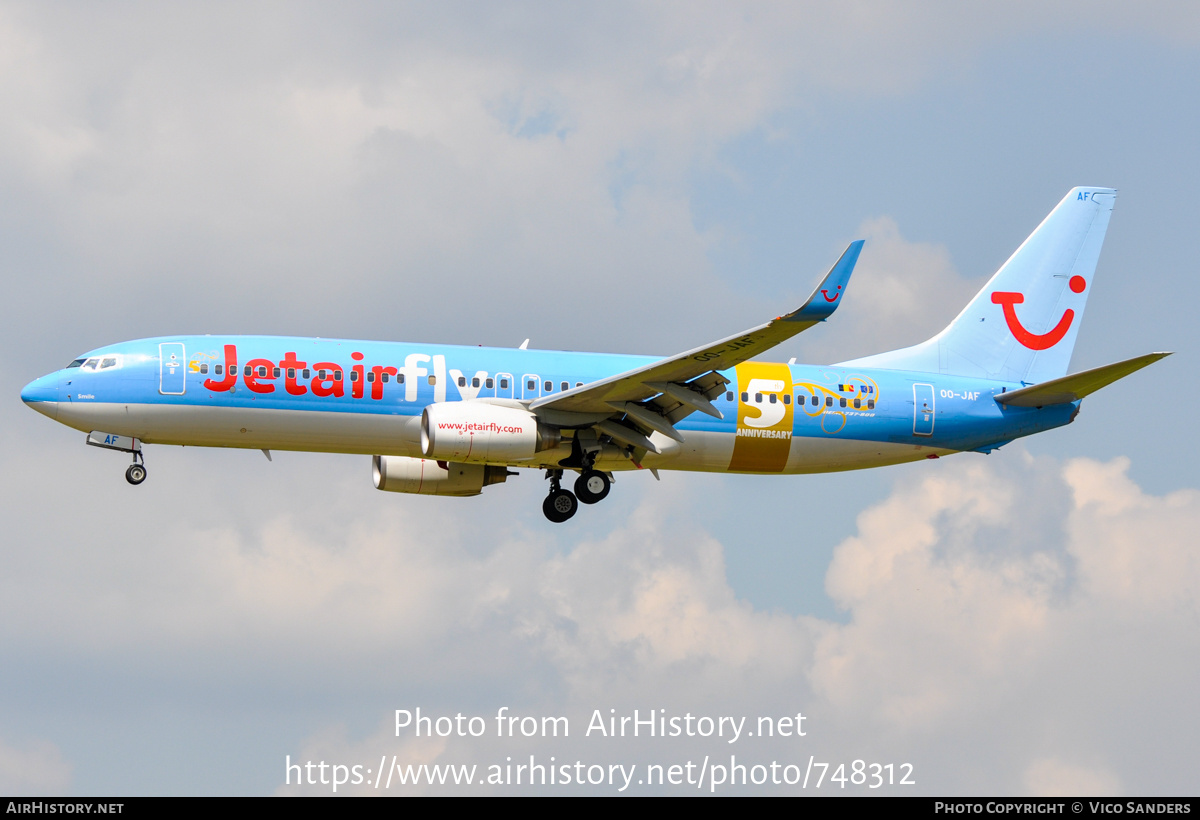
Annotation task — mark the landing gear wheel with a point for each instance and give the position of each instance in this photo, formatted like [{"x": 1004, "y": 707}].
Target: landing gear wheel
[
  {"x": 559, "y": 506},
  {"x": 136, "y": 474},
  {"x": 592, "y": 486}
]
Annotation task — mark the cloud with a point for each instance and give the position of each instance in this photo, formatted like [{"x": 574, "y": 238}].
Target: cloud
[
  {"x": 1012, "y": 624},
  {"x": 429, "y": 173},
  {"x": 1053, "y": 778},
  {"x": 37, "y": 769},
  {"x": 300, "y": 171},
  {"x": 975, "y": 594},
  {"x": 902, "y": 293},
  {"x": 950, "y": 622}
]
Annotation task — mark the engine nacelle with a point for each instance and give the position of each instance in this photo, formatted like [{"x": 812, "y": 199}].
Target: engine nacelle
[
  {"x": 476, "y": 432},
  {"x": 401, "y": 474}
]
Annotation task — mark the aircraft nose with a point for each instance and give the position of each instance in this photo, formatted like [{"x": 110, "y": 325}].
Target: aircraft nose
[{"x": 42, "y": 395}]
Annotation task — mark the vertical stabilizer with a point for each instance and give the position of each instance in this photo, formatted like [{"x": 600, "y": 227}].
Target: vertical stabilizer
[{"x": 1021, "y": 327}]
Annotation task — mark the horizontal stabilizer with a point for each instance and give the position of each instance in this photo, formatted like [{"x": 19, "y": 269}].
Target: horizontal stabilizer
[{"x": 1074, "y": 387}]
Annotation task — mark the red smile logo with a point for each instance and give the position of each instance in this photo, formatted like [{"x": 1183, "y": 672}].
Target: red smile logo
[
  {"x": 1035, "y": 341},
  {"x": 829, "y": 298}
]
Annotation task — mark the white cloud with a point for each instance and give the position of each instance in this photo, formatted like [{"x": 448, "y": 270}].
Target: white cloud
[
  {"x": 332, "y": 165},
  {"x": 902, "y": 293},
  {"x": 1048, "y": 777},
  {"x": 37, "y": 769},
  {"x": 946, "y": 630},
  {"x": 329, "y": 171},
  {"x": 972, "y": 626}
]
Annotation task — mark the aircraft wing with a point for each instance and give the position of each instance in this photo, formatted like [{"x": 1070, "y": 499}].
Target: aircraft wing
[{"x": 687, "y": 382}]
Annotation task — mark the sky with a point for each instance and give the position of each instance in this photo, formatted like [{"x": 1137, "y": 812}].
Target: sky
[{"x": 626, "y": 178}]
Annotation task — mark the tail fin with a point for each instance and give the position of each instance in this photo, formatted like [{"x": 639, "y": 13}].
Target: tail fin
[{"x": 1021, "y": 327}]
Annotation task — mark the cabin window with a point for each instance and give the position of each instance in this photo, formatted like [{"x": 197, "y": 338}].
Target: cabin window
[
  {"x": 504, "y": 384},
  {"x": 462, "y": 381},
  {"x": 531, "y": 385},
  {"x": 371, "y": 376},
  {"x": 432, "y": 380},
  {"x": 337, "y": 375},
  {"x": 745, "y": 398},
  {"x": 870, "y": 404},
  {"x": 353, "y": 375},
  {"x": 475, "y": 382},
  {"x": 728, "y": 396},
  {"x": 304, "y": 373},
  {"x": 291, "y": 372},
  {"x": 842, "y": 402},
  {"x": 400, "y": 378},
  {"x": 857, "y": 403},
  {"x": 262, "y": 371},
  {"x": 829, "y": 401},
  {"x": 490, "y": 383},
  {"x": 566, "y": 385},
  {"x": 217, "y": 370},
  {"x": 787, "y": 399},
  {"x": 579, "y": 384},
  {"x": 384, "y": 376},
  {"x": 549, "y": 386},
  {"x": 773, "y": 398},
  {"x": 322, "y": 375},
  {"x": 204, "y": 369},
  {"x": 758, "y": 398}
]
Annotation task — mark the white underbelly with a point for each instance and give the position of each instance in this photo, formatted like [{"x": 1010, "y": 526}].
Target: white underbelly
[{"x": 254, "y": 428}]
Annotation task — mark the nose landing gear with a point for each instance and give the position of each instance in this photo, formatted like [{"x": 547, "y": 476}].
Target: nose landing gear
[{"x": 135, "y": 474}]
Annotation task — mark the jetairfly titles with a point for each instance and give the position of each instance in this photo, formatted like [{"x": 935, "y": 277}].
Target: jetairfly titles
[{"x": 450, "y": 420}]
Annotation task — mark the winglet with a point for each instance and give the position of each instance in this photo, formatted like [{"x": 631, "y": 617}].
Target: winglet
[{"x": 828, "y": 295}]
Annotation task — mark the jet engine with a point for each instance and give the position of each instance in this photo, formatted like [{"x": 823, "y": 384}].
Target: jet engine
[
  {"x": 402, "y": 474},
  {"x": 478, "y": 432}
]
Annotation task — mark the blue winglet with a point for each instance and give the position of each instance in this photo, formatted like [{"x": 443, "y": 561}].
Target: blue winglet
[{"x": 828, "y": 295}]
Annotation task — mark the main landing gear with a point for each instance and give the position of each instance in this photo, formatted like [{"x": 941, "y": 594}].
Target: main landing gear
[
  {"x": 590, "y": 487},
  {"x": 560, "y": 504}
]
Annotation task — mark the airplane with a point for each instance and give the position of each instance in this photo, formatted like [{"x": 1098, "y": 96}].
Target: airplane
[{"x": 451, "y": 420}]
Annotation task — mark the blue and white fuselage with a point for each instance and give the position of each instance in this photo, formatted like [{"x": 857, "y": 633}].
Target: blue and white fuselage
[
  {"x": 335, "y": 400},
  {"x": 449, "y": 420}
]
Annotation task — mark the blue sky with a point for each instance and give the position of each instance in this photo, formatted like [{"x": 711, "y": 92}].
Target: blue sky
[{"x": 481, "y": 175}]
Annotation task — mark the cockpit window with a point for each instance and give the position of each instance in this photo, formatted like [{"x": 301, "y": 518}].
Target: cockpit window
[{"x": 98, "y": 362}]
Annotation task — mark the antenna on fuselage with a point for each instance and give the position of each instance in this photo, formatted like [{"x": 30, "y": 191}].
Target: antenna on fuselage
[{"x": 524, "y": 345}]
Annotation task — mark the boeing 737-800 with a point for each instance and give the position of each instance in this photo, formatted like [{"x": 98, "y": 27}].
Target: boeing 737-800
[{"x": 448, "y": 420}]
